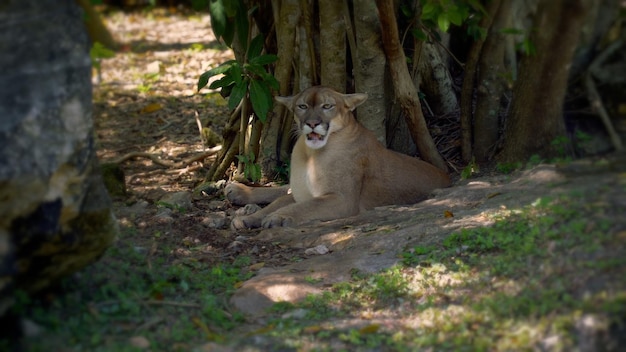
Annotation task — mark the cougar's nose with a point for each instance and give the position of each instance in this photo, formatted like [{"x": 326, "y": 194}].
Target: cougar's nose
[{"x": 313, "y": 123}]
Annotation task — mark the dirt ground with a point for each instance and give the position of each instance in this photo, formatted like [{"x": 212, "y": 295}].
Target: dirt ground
[{"x": 146, "y": 102}]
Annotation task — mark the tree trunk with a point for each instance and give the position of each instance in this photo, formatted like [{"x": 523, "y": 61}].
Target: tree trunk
[
  {"x": 404, "y": 88},
  {"x": 467, "y": 90},
  {"x": 56, "y": 213},
  {"x": 307, "y": 58},
  {"x": 435, "y": 81},
  {"x": 369, "y": 67},
  {"x": 536, "y": 117},
  {"x": 491, "y": 85},
  {"x": 273, "y": 151},
  {"x": 332, "y": 44}
]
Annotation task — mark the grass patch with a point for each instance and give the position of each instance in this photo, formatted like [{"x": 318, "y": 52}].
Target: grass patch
[
  {"x": 172, "y": 304},
  {"x": 546, "y": 276},
  {"x": 527, "y": 282}
]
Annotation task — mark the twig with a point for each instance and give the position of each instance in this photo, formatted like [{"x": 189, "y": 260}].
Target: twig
[
  {"x": 199, "y": 123},
  {"x": 155, "y": 159},
  {"x": 166, "y": 163}
]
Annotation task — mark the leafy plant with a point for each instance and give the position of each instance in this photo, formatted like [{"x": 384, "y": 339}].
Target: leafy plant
[
  {"x": 97, "y": 53},
  {"x": 471, "y": 168},
  {"x": 442, "y": 14},
  {"x": 525, "y": 45},
  {"x": 247, "y": 77},
  {"x": 251, "y": 170}
]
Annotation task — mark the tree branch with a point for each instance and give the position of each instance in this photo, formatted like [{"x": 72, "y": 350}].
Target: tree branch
[{"x": 403, "y": 85}]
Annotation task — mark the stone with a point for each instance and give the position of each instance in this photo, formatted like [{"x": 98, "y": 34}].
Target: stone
[
  {"x": 216, "y": 220},
  {"x": 56, "y": 212},
  {"x": 178, "y": 200}
]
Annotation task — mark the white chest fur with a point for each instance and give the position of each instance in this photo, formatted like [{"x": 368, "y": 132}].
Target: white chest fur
[{"x": 305, "y": 174}]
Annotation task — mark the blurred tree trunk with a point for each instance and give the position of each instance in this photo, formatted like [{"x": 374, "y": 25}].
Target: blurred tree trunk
[{"x": 536, "y": 117}]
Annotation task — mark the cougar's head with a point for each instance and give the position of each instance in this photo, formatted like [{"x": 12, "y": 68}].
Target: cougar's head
[{"x": 320, "y": 111}]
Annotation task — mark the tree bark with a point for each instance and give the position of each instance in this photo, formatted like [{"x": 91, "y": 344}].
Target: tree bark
[
  {"x": 436, "y": 81},
  {"x": 332, "y": 44},
  {"x": 467, "y": 90},
  {"x": 536, "y": 117},
  {"x": 491, "y": 85},
  {"x": 56, "y": 213},
  {"x": 404, "y": 88},
  {"x": 369, "y": 67},
  {"x": 272, "y": 151}
]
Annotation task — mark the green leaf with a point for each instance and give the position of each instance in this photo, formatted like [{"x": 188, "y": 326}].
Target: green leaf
[
  {"x": 256, "y": 47},
  {"x": 222, "y": 82},
  {"x": 512, "y": 31},
  {"x": 406, "y": 11},
  {"x": 238, "y": 93},
  {"x": 456, "y": 17},
  {"x": 419, "y": 34},
  {"x": 241, "y": 24},
  {"x": 231, "y": 7},
  {"x": 263, "y": 59},
  {"x": 229, "y": 34},
  {"x": 443, "y": 22},
  {"x": 261, "y": 99},
  {"x": 476, "y": 5},
  {"x": 235, "y": 73},
  {"x": 429, "y": 10},
  {"x": 99, "y": 51},
  {"x": 271, "y": 81},
  {"x": 203, "y": 80},
  {"x": 260, "y": 72},
  {"x": 219, "y": 19}
]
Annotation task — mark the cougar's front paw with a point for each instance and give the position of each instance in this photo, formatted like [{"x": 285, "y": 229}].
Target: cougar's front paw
[
  {"x": 237, "y": 193},
  {"x": 277, "y": 220},
  {"x": 244, "y": 222}
]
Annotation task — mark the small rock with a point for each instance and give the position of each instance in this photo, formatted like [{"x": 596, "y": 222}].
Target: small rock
[
  {"x": 138, "y": 208},
  {"x": 164, "y": 216},
  {"x": 30, "y": 328},
  {"x": 139, "y": 342},
  {"x": 248, "y": 209},
  {"x": 180, "y": 200},
  {"x": 317, "y": 250},
  {"x": 217, "y": 205},
  {"x": 215, "y": 220},
  {"x": 241, "y": 238},
  {"x": 154, "y": 67},
  {"x": 154, "y": 194},
  {"x": 235, "y": 245},
  {"x": 296, "y": 314}
]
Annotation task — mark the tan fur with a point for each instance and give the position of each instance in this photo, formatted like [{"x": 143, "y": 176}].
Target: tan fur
[{"x": 351, "y": 172}]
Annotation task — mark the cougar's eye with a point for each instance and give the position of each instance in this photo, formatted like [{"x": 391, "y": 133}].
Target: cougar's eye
[
  {"x": 327, "y": 106},
  {"x": 303, "y": 107}
]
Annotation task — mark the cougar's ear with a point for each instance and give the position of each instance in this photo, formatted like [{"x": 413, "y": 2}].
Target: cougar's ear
[
  {"x": 354, "y": 100},
  {"x": 287, "y": 101}
]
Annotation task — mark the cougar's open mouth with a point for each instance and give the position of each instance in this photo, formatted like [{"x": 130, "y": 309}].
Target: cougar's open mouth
[{"x": 315, "y": 136}]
